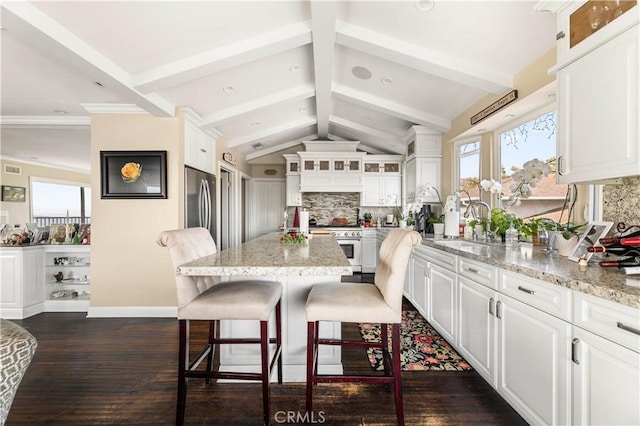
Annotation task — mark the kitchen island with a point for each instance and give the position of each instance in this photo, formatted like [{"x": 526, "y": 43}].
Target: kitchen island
[{"x": 297, "y": 267}]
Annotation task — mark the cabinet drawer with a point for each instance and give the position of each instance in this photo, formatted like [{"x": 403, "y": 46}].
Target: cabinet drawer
[
  {"x": 607, "y": 319},
  {"x": 547, "y": 297},
  {"x": 478, "y": 272},
  {"x": 439, "y": 257}
]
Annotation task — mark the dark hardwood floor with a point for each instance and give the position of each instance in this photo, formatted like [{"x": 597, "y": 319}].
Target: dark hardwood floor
[{"x": 123, "y": 371}]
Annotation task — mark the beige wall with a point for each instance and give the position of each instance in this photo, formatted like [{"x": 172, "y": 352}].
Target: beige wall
[
  {"x": 128, "y": 268},
  {"x": 20, "y": 212}
]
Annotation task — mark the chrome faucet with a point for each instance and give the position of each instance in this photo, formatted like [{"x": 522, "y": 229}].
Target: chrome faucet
[{"x": 488, "y": 234}]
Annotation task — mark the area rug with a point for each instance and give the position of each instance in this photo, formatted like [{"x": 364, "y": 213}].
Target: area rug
[{"x": 422, "y": 347}]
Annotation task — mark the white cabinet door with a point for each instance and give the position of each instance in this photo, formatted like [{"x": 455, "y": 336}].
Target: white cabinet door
[
  {"x": 391, "y": 189},
  {"x": 372, "y": 191},
  {"x": 33, "y": 277},
  {"x": 294, "y": 197},
  {"x": 11, "y": 283},
  {"x": 369, "y": 254},
  {"x": 442, "y": 301},
  {"x": 420, "y": 285},
  {"x": 598, "y": 113},
  {"x": 268, "y": 206},
  {"x": 533, "y": 362},
  {"x": 476, "y": 327},
  {"x": 200, "y": 150},
  {"x": 606, "y": 381}
]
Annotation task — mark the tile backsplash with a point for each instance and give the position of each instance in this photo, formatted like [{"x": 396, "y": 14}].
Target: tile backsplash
[
  {"x": 620, "y": 202},
  {"x": 325, "y": 206}
]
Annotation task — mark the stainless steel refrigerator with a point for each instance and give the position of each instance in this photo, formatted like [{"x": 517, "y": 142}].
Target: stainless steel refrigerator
[{"x": 200, "y": 200}]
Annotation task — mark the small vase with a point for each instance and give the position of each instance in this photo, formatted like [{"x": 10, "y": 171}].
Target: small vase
[
  {"x": 438, "y": 228},
  {"x": 565, "y": 247}
]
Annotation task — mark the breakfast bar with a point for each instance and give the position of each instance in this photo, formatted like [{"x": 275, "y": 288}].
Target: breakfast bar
[{"x": 298, "y": 266}]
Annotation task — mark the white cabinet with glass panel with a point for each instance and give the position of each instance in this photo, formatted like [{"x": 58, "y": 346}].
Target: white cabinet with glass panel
[
  {"x": 598, "y": 90},
  {"x": 331, "y": 171},
  {"x": 294, "y": 196},
  {"x": 423, "y": 164}
]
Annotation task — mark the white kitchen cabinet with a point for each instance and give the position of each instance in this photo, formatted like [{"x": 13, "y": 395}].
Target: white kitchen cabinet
[
  {"x": 476, "y": 327},
  {"x": 423, "y": 165},
  {"x": 533, "y": 350},
  {"x": 442, "y": 301},
  {"x": 268, "y": 206},
  {"x": 381, "y": 191},
  {"x": 598, "y": 122},
  {"x": 22, "y": 285},
  {"x": 318, "y": 173},
  {"x": 382, "y": 165},
  {"x": 200, "y": 148},
  {"x": 369, "y": 251},
  {"x": 420, "y": 283},
  {"x": 72, "y": 294},
  {"x": 293, "y": 196},
  {"x": 606, "y": 381}
]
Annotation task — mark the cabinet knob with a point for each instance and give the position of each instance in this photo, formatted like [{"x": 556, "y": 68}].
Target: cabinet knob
[
  {"x": 560, "y": 35},
  {"x": 203, "y": 150}
]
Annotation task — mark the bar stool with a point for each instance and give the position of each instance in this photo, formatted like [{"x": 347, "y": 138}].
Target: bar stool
[
  {"x": 206, "y": 298},
  {"x": 364, "y": 303}
]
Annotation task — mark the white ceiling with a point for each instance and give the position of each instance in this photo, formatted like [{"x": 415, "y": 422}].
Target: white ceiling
[{"x": 290, "y": 64}]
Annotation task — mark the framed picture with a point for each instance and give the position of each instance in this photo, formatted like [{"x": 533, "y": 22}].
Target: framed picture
[
  {"x": 590, "y": 237},
  {"x": 13, "y": 193},
  {"x": 133, "y": 174},
  {"x": 60, "y": 233}
]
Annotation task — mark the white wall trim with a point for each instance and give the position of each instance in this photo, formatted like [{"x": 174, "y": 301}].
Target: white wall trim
[{"x": 133, "y": 311}]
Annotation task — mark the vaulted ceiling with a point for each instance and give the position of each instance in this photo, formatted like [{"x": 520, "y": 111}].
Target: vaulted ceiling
[{"x": 262, "y": 75}]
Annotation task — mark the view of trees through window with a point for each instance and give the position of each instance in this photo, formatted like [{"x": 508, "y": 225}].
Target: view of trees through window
[
  {"x": 469, "y": 167},
  {"x": 59, "y": 203},
  {"x": 533, "y": 139}
]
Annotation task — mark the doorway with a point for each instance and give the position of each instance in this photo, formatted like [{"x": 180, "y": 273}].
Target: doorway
[{"x": 228, "y": 226}]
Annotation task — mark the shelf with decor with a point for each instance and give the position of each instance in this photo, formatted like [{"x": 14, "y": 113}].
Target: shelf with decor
[{"x": 67, "y": 278}]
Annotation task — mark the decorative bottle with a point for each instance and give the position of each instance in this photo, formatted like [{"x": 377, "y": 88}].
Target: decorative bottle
[
  {"x": 616, "y": 240},
  {"x": 628, "y": 261},
  {"x": 617, "y": 249}
]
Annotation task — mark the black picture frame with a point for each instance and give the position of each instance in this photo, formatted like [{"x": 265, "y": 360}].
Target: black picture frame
[
  {"x": 14, "y": 193},
  {"x": 145, "y": 175}
]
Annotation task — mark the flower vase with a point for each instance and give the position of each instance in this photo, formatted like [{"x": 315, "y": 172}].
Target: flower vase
[{"x": 565, "y": 247}]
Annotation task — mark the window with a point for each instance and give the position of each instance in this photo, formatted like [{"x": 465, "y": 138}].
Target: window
[
  {"x": 59, "y": 202},
  {"x": 468, "y": 167},
  {"x": 535, "y": 138}
]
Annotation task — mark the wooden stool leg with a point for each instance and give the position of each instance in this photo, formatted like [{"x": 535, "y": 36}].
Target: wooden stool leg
[
  {"x": 279, "y": 340},
  {"x": 264, "y": 352},
  {"x": 182, "y": 367},
  {"x": 384, "y": 347},
  {"x": 397, "y": 373},
  {"x": 212, "y": 336},
  {"x": 311, "y": 348}
]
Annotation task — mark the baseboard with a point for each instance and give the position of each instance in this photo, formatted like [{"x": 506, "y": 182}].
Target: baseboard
[{"x": 132, "y": 311}]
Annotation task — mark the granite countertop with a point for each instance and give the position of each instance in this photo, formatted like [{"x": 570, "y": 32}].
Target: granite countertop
[
  {"x": 606, "y": 283},
  {"x": 266, "y": 255}
]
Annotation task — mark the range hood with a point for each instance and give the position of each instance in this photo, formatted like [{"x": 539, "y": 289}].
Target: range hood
[{"x": 331, "y": 166}]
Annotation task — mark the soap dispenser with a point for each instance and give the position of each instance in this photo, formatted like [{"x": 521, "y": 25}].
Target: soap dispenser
[{"x": 511, "y": 235}]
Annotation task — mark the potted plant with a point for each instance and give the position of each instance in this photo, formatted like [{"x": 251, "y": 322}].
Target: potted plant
[{"x": 501, "y": 221}]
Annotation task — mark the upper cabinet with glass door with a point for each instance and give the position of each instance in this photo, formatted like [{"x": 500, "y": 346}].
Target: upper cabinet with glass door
[
  {"x": 382, "y": 164},
  {"x": 598, "y": 91},
  {"x": 585, "y": 25}
]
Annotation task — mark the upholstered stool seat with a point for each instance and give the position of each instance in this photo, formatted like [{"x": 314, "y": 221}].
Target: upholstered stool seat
[
  {"x": 364, "y": 303},
  {"x": 17, "y": 348},
  {"x": 205, "y": 298}
]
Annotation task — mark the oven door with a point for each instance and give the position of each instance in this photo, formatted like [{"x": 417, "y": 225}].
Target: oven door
[{"x": 351, "y": 249}]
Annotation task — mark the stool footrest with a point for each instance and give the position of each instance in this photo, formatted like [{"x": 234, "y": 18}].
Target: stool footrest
[
  {"x": 356, "y": 343},
  {"x": 353, "y": 379}
]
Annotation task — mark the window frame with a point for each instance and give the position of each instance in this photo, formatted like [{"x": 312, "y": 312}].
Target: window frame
[
  {"x": 34, "y": 179},
  {"x": 456, "y": 165}
]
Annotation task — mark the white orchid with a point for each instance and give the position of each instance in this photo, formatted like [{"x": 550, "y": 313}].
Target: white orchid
[{"x": 523, "y": 181}]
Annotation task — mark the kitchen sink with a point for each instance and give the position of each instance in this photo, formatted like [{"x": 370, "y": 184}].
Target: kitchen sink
[{"x": 464, "y": 244}]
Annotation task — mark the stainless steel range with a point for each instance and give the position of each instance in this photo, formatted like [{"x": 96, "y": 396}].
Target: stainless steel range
[{"x": 350, "y": 240}]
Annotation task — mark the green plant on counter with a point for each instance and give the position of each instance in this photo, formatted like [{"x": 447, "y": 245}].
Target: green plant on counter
[
  {"x": 436, "y": 219},
  {"x": 501, "y": 221}
]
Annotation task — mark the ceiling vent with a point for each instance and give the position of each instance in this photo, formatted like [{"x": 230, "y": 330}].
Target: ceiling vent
[{"x": 12, "y": 170}]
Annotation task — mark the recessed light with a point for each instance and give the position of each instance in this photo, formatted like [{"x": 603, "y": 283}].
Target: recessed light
[
  {"x": 255, "y": 124},
  {"x": 425, "y": 5},
  {"x": 510, "y": 115},
  {"x": 551, "y": 95},
  {"x": 60, "y": 111},
  {"x": 257, "y": 145},
  {"x": 361, "y": 72},
  {"x": 295, "y": 68},
  {"x": 482, "y": 130},
  {"x": 97, "y": 83},
  {"x": 229, "y": 88},
  {"x": 386, "y": 81}
]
